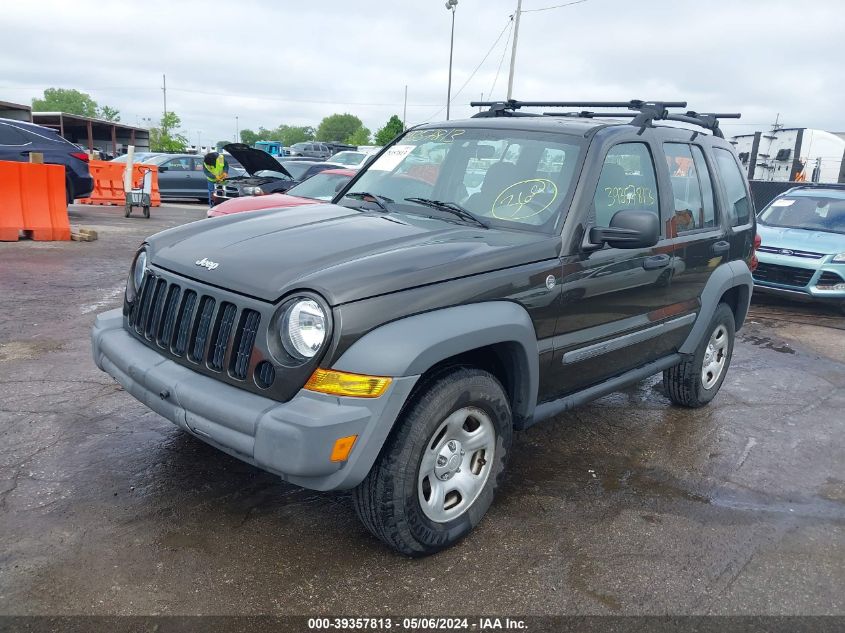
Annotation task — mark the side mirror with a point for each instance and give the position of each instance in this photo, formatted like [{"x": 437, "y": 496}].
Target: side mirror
[
  {"x": 629, "y": 228},
  {"x": 162, "y": 169}
]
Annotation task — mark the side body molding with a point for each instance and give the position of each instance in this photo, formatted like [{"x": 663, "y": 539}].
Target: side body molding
[
  {"x": 725, "y": 277},
  {"x": 412, "y": 345}
]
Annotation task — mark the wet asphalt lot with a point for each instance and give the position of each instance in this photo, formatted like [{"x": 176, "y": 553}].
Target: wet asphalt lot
[{"x": 625, "y": 506}]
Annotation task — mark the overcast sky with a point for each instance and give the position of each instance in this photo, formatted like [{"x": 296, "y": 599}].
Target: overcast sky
[{"x": 272, "y": 62}]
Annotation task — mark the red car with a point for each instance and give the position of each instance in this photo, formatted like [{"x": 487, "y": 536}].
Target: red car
[{"x": 319, "y": 188}]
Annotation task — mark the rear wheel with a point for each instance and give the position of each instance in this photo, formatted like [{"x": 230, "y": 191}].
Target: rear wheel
[
  {"x": 438, "y": 472},
  {"x": 127, "y": 211},
  {"x": 146, "y": 212},
  {"x": 696, "y": 382}
]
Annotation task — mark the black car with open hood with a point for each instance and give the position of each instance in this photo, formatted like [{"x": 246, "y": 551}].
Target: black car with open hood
[{"x": 264, "y": 174}]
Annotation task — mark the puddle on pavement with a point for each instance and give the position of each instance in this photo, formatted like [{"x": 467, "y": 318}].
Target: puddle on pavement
[{"x": 767, "y": 343}]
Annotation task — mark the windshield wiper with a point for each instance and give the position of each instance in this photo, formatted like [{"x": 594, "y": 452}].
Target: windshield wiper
[
  {"x": 380, "y": 201},
  {"x": 453, "y": 208}
]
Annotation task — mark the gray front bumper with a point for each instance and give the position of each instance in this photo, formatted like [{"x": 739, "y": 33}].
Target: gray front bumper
[{"x": 292, "y": 439}]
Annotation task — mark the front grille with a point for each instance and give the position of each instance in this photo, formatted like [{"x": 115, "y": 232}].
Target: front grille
[
  {"x": 226, "y": 191},
  {"x": 829, "y": 278},
  {"x": 191, "y": 325},
  {"x": 784, "y": 275},
  {"x": 790, "y": 252}
]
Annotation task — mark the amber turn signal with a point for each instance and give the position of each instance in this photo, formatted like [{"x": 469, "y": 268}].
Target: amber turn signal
[
  {"x": 339, "y": 383},
  {"x": 342, "y": 448}
]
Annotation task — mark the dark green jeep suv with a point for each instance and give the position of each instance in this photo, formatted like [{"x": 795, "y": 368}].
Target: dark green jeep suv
[{"x": 477, "y": 277}]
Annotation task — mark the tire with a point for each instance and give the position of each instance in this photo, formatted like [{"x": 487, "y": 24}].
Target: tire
[
  {"x": 425, "y": 454},
  {"x": 127, "y": 211},
  {"x": 146, "y": 212},
  {"x": 696, "y": 382}
]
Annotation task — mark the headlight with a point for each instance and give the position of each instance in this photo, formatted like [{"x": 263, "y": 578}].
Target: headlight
[
  {"x": 303, "y": 328},
  {"x": 839, "y": 259},
  {"x": 136, "y": 275},
  {"x": 253, "y": 191}
]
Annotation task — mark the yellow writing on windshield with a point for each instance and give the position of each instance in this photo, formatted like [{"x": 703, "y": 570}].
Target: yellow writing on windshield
[
  {"x": 438, "y": 136},
  {"x": 524, "y": 199}
]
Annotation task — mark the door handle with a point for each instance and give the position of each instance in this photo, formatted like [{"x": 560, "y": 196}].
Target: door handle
[
  {"x": 656, "y": 261},
  {"x": 721, "y": 248}
]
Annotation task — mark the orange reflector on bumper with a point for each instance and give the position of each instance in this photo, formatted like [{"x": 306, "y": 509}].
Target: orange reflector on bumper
[
  {"x": 339, "y": 383},
  {"x": 342, "y": 448}
]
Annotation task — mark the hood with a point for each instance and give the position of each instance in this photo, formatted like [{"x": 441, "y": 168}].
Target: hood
[
  {"x": 801, "y": 239},
  {"x": 253, "y": 159},
  {"x": 343, "y": 254},
  {"x": 257, "y": 203}
]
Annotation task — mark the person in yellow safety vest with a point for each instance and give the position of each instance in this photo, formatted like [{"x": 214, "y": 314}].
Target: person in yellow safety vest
[{"x": 214, "y": 167}]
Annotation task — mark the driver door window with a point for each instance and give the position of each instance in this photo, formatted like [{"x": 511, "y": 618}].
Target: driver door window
[{"x": 627, "y": 181}]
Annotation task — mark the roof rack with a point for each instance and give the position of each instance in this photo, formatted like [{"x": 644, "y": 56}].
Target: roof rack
[{"x": 644, "y": 113}]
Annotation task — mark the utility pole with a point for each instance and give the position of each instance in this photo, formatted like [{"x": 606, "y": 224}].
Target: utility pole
[
  {"x": 164, "y": 91},
  {"x": 237, "y": 131},
  {"x": 450, "y": 5},
  {"x": 513, "y": 50},
  {"x": 405, "y": 109}
]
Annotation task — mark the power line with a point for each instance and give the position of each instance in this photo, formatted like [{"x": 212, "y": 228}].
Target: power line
[
  {"x": 557, "y": 6},
  {"x": 481, "y": 63},
  {"x": 501, "y": 61}
]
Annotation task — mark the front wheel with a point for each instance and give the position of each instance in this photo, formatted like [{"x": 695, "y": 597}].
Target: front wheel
[
  {"x": 438, "y": 471},
  {"x": 696, "y": 382}
]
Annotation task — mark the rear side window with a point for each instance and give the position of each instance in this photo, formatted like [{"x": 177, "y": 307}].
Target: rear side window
[
  {"x": 691, "y": 188},
  {"x": 12, "y": 136},
  {"x": 739, "y": 207},
  {"x": 627, "y": 181}
]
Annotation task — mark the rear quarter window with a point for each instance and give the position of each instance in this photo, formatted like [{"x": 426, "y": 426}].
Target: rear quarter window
[
  {"x": 738, "y": 203},
  {"x": 12, "y": 136}
]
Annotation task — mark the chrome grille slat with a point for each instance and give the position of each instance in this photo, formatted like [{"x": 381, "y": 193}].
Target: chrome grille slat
[{"x": 791, "y": 252}]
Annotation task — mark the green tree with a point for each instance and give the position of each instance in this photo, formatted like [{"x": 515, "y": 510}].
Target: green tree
[
  {"x": 338, "y": 127},
  {"x": 249, "y": 137},
  {"x": 287, "y": 135},
  {"x": 390, "y": 131},
  {"x": 164, "y": 139},
  {"x": 361, "y": 136},
  {"x": 220, "y": 144},
  {"x": 108, "y": 113},
  {"x": 66, "y": 100}
]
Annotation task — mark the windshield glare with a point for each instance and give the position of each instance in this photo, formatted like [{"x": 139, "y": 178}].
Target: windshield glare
[
  {"x": 320, "y": 187},
  {"x": 814, "y": 213},
  {"x": 347, "y": 158},
  {"x": 269, "y": 173},
  {"x": 508, "y": 178}
]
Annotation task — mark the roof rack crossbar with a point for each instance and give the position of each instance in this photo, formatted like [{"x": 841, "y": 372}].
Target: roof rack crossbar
[
  {"x": 634, "y": 104},
  {"x": 587, "y": 114}
]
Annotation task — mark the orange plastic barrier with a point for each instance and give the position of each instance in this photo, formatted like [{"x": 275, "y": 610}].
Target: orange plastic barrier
[
  {"x": 108, "y": 183},
  {"x": 33, "y": 199}
]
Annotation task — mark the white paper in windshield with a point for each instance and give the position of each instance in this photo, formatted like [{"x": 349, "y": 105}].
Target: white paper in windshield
[
  {"x": 783, "y": 203},
  {"x": 392, "y": 157}
]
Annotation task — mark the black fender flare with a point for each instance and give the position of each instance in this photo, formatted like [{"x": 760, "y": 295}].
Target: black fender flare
[
  {"x": 725, "y": 277},
  {"x": 412, "y": 345}
]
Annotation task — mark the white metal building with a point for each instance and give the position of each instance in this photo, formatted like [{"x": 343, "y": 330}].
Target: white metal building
[{"x": 789, "y": 154}]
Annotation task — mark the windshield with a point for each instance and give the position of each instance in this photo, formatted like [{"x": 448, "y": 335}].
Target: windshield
[
  {"x": 814, "y": 213},
  {"x": 320, "y": 187},
  {"x": 269, "y": 173},
  {"x": 506, "y": 178},
  {"x": 347, "y": 158},
  {"x": 296, "y": 168}
]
